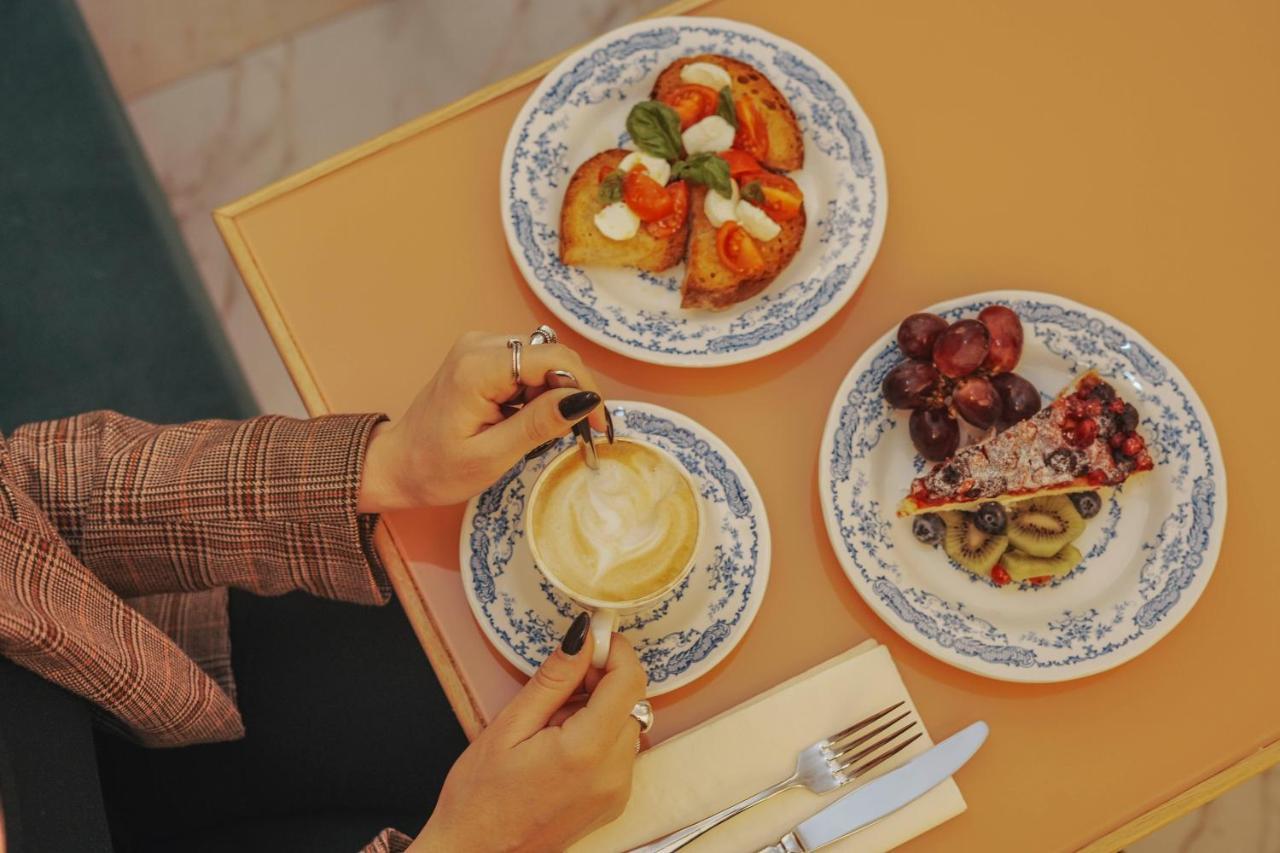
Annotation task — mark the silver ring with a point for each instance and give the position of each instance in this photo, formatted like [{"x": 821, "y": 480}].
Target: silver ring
[
  {"x": 544, "y": 334},
  {"x": 642, "y": 713},
  {"x": 515, "y": 346}
]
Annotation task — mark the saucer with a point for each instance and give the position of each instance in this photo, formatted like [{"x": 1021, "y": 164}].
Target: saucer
[{"x": 679, "y": 639}]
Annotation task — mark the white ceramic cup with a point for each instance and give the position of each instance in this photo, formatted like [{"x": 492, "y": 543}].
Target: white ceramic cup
[{"x": 605, "y": 615}]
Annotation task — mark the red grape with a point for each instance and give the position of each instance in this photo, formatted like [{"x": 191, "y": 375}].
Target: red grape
[
  {"x": 960, "y": 349},
  {"x": 917, "y": 334},
  {"x": 977, "y": 402},
  {"x": 1006, "y": 338},
  {"x": 934, "y": 433},
  {"x": 1019, "y": 399},
  {"x": 909, "y": 384}
]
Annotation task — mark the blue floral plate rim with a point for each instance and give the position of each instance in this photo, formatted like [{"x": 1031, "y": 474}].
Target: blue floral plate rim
[
  {"x": 970, "y": 638},
  {"x": 810, "y": 292}
]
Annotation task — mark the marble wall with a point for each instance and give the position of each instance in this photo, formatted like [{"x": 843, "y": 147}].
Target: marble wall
[
  {"x": 218, "y": 134},
  {"x": 264, "y": 90}
]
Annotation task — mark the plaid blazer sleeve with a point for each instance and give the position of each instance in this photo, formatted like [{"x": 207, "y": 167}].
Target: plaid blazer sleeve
[
  {"x": 118, "y": 539},
  {"x": 388, "y": 841},
  {"x": 266, "y": 504}
]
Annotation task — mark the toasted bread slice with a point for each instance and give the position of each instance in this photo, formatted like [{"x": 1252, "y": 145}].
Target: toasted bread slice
[
  {"x": 582, "y": 244},
  {"x": 786, "y": 143},
  {"x": 708, "y": 283}
]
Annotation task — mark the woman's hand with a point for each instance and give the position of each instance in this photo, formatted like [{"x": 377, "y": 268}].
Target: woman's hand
[
  {"x": 544, "y": 774},
  {"x": 454, "y": 441}
]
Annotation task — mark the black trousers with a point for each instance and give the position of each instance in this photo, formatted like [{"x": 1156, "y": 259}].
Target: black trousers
[{"x": 348, "y": 732}]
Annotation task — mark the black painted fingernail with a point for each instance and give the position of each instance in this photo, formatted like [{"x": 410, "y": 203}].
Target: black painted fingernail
[
  {"x": 576, "y": 635},
  {"x": 540, "y": 449},
  {"x": 577, "y": 405},
  {"x": 608, "y": 424}
]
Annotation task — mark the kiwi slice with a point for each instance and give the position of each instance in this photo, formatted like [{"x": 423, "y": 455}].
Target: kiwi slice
[
  {"x": 969, "y": 546},
  {"x": 1022, "y": 566},
  {"x": 1041, "y": 527}
]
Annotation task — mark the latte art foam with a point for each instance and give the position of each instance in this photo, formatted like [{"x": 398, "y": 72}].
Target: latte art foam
[{"x": 619, "y": 533}]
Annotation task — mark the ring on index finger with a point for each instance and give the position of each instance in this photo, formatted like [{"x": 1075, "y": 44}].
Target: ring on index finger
[
  {"x": 642, "y": 713},
  {"x": 516, "y": 348},
  {"x": 544, "y": 334}
]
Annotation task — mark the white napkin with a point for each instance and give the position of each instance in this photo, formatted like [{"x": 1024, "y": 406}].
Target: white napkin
[{"x": 750, "y": 747}]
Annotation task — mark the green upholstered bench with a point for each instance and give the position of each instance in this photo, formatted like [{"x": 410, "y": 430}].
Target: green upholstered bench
[{"x": 100, "y": 307}]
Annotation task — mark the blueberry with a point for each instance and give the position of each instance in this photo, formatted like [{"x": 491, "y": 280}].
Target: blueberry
[
  {"x": 1060, "y": 460},
  {"x": 991, "y": 518},
  {"x": 929, "y": 528},
  {"x": 1103, "y": 392},
  {"x": 1128, "y": 419},
  {"x": 1088, "y": 504}
]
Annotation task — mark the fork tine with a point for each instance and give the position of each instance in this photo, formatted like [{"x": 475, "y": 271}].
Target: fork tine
[
  {"x": 837, "y": 747},
  {"x": 853, "y": 728},
  {"x": 844, "y": 759},
  {"x": 858, "y": 771}
]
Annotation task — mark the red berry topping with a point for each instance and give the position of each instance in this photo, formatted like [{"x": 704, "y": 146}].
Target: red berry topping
[
  {"x": 1097, "y": 477},
  {"x": 1143, "y": 462},
  {"x": 1086, "y": 432},
  {"x": 1132, "y": 446},
  {"x": 1000, "y": 575},
  {"x": 1088, "y": 384},
  {"x": 1116, "y": 406},
  {"x": 1117, "y": 439},
  {"x": 1093, "y": 408},
  {"x": 1069, "y": 424}
]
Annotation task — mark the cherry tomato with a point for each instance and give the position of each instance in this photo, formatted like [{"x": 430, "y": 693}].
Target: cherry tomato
[
  {"x": 753, "y": 135},
  {"x": 691, "y": 102},
  {"x": 645, "y": 196},
  {"x": 673, "y": 221},
  {"x": 782, "y": 198},
  {"x": 740, "y": 162},
  {"x": 737, "y": 250}
]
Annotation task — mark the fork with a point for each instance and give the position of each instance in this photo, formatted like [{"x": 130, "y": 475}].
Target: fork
[{"x": 821, "y": 767}]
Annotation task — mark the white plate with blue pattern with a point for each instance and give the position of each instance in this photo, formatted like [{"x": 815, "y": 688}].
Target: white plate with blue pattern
[
  {"x": 681, "y": 638},
  {"x": 580, "y": 109},
  {"x": 1147, "y": 556}
]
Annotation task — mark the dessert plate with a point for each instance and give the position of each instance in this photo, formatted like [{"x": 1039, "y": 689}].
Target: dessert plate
[
  {"x": 580, "y": 109},
  {"x": 682, "y": 637},
  {"x": 1147, "y": 555}
]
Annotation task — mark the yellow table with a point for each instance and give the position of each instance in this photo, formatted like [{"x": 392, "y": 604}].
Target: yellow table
[{"x": 1121, "y": 154}]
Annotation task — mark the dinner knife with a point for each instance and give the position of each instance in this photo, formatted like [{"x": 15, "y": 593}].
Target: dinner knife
[{"x": 883, "y": 796}]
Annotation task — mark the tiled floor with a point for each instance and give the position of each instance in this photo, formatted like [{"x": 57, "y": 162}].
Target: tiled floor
[{"x": 293, "y": 99}]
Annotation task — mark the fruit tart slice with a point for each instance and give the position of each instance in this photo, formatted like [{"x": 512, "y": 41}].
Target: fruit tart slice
[{"x": 1085, "y": 439}]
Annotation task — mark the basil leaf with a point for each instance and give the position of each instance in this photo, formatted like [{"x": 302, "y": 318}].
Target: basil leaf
[
  {"x": 753, "y": 193},
  {"x": 707, "y": 169},
  {"x": 611, "y": 187},
  {"x": 655, "y": 129},
  {"x": 725, "y": 108}
]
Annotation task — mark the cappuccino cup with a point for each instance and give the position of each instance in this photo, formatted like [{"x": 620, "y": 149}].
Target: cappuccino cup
[{"x": 617, "y": 539}]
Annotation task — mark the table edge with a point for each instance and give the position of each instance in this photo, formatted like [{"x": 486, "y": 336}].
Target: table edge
[
  {"x": 464, "y": 704},
  {"x": 1197, "y": 795}
]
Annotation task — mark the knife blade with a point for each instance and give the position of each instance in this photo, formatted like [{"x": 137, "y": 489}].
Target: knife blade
[{"x": 885, "y": 795}]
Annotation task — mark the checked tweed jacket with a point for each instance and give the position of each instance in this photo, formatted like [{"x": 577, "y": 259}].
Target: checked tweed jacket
[{"x": 118, "y": 540}]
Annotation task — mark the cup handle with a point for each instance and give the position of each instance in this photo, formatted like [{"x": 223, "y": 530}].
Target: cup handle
[{"x": 603, "y": 622}]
